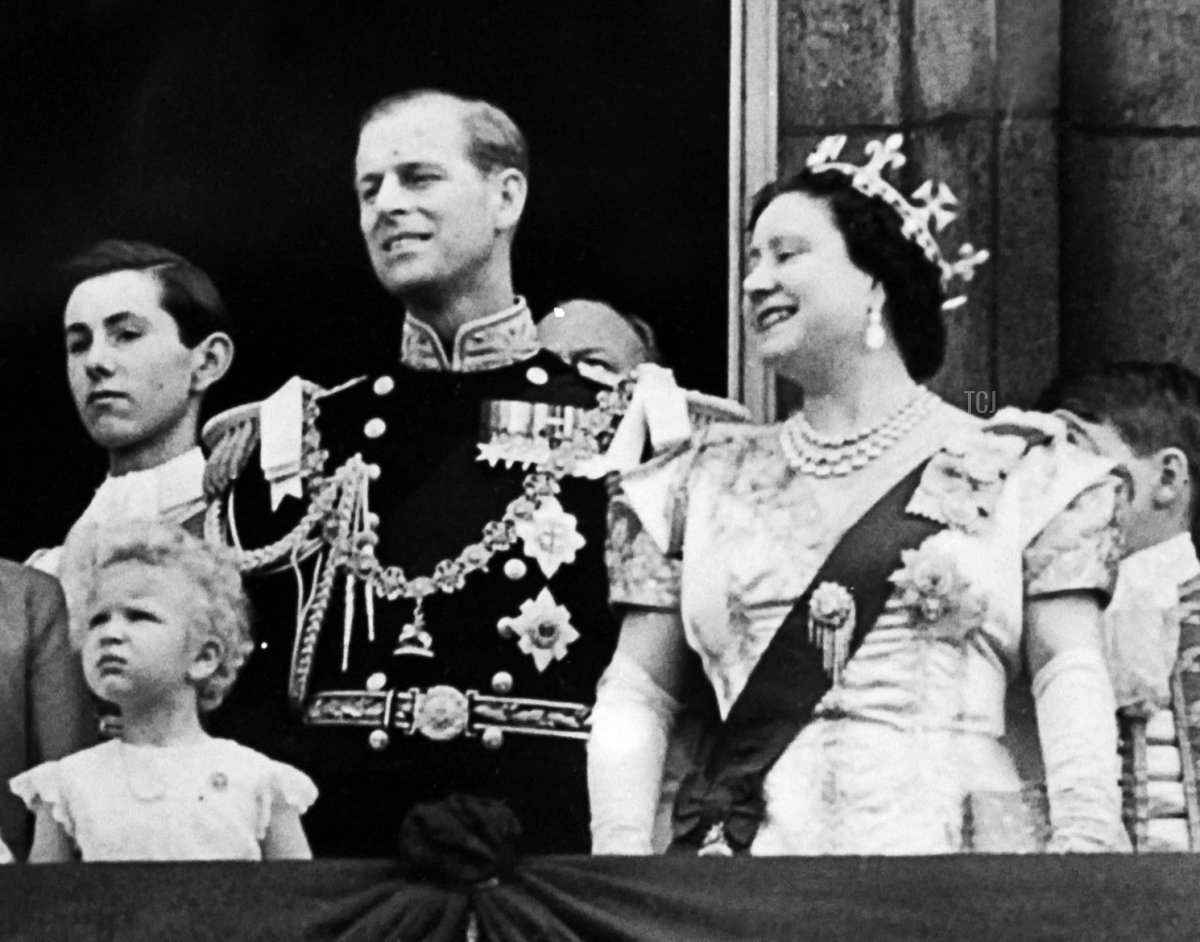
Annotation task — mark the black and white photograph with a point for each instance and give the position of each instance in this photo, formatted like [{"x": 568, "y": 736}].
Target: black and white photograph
[{"x": 599, "y": 471}]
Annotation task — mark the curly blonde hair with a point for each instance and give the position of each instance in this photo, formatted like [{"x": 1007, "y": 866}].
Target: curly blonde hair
[{"x": 212, "y": 571}]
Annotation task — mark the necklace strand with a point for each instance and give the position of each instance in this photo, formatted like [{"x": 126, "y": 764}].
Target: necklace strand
[{"x": 810, "y": 452}]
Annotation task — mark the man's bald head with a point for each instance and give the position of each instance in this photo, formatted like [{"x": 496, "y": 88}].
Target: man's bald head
[{"x": 597, "y": 335}]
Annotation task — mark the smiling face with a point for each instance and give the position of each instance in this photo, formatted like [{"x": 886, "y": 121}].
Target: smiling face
[
  {"x": 132, "y": 379},
  {"x": 140, "y": 647},
  {"x": 806, "y": 301},
  {"x": 430, "y": 218}
]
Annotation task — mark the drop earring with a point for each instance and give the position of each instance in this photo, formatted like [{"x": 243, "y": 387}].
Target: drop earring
[{"x": 875, "y": 335}]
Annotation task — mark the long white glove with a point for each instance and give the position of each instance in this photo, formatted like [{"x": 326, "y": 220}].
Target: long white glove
[
  {"x": 631, "y": 725},
  {"x": 1077, "y": 726}
]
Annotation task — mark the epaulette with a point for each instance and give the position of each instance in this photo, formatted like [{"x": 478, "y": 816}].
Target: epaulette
[
  {"x": 661, "y": 416},
  {"x": 704, "y": 410},
  {"x": 230, "y": 437}
]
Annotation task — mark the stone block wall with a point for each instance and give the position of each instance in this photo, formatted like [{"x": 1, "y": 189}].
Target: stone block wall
[
  {"x": 974, "y": 87},
  {"x": 1131, "y": 180},
  {"x": 1070, "y": 130}
]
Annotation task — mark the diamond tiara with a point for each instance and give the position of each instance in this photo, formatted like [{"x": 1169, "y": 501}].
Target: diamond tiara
[{"x": 932, "y": 207}]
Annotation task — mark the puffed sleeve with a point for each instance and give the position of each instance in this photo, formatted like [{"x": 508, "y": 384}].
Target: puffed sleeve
[
  {"x": 41, "y": 788},
  {"x": 645, "y": 512},
  {"x": 285, "y": 789},
  {"x": 1080, "y": 548}
]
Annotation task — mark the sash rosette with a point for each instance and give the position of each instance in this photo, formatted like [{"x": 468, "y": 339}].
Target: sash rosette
[{"x": 932, "y": 587}]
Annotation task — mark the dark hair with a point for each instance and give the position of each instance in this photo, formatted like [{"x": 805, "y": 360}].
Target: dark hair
[
  {"x": 494, "y": 142},
  {"x": 877, "y": 246},
  {"x": 1152, "y": 406},
  {"x": 186, "y": 292}
]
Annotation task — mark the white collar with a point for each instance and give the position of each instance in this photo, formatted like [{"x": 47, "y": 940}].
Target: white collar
[
  {"x": 1167, "y": 564},
  {"x": 1141, "y": 624},
  {"x": 173, "y": 491},
  {"x": 166, "y": 490},
  {"x": 486, "y": 343}
]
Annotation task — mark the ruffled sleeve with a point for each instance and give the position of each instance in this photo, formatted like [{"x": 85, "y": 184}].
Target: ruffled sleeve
[
  {"x": 1080, "y": 548},
  {"x": 645, "y": 532},
  {"x": 285, "y": 789},
  {"x": 639, "y": 572},
  {"x": 41, "y": 788}
]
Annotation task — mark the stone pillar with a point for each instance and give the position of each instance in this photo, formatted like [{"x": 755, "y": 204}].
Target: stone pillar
[
  {"x": 1131, "y": 181},
  {"x": 973, "y": 86}
]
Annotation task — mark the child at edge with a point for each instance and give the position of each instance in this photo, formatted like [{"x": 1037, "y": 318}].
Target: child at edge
[
  {"x": 1147, "y": 416},
  {"x": 163, "y": 626}
]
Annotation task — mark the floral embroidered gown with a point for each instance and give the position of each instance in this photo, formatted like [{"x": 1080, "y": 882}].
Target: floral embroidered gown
[{"x": 906, "y": 750}]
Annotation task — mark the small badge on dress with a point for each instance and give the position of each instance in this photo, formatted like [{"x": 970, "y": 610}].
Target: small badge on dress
[{"x": 830, "y": 625}]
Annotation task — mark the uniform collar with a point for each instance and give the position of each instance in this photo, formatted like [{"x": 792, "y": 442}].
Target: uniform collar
[{"x": 486, "y": 343}]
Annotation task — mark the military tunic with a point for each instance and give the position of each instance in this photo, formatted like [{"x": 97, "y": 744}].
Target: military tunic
[{"x": 491, "y": 689}]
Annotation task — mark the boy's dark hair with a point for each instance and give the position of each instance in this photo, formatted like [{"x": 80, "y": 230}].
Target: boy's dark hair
[
  {"x": 187, "y": 293},
  {"x": 1152, "y": 406}
]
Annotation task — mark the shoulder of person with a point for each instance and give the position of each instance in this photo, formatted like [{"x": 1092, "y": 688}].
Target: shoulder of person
[
  {"x": 231, "y": 437},
  {"x": 18, "y": 578},
  {"x": 1036, "y": 429},
  {"x": 1048, "y": 448},
  {"x": 549, "y": 378}
]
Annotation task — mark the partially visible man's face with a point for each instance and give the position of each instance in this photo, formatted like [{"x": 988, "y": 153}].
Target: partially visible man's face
[
  {"x": 427, "y": 214},
  {"x": 1142, "y": 526},
  {"x": 130, "y": 374},
  {"x": 593, "y": 334}
]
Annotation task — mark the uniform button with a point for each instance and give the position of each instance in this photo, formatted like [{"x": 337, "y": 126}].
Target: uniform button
[
  {"x": 377, "y": 681},
  {"x": 373, "y": 471},
  {"x": 378, "y": 740},
  {"x": 537, "y": 376},
  {"x": 493, "y": 738},
  {"x": 374, "y": 428},
  {"x": 502, "y": 683},
  {"x": 384, "y": 385},
  {"x": 515, "y": 569}
]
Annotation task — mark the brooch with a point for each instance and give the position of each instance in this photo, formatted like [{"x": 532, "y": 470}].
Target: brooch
[
  {"x": 941, "y": 600},
  {"x": 830, "y": 625},
  {"x": 543, "y": 629}
]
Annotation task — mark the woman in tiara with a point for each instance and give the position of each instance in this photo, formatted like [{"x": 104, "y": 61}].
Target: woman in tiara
[{"x": 862, "y": 581}]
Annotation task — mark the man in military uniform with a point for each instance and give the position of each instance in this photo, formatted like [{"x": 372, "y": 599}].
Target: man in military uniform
[{"x": 423, "y": 544}]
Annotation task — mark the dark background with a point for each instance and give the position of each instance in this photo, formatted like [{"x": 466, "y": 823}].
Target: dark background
[{"x": 226, "y": 130}]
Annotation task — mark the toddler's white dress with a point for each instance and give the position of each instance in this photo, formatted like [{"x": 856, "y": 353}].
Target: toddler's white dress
[{"x": 209, "y": 801}]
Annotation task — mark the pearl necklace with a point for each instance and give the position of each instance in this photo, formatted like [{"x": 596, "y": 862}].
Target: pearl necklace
[{"x": 822, "y": 456}]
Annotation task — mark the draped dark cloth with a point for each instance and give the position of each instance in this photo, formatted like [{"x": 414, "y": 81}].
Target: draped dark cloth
[{"x": 613, "y": 899}]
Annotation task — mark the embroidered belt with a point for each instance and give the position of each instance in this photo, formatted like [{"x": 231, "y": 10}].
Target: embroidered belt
[{"x": 442, "y": 713}]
